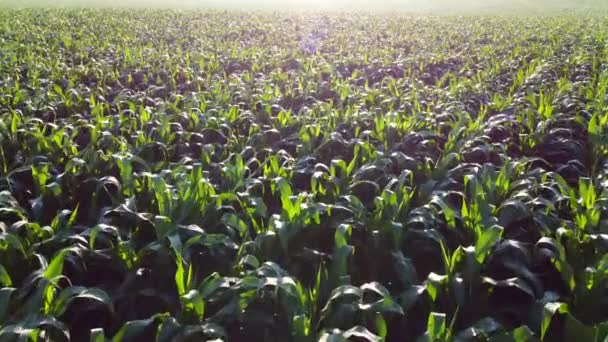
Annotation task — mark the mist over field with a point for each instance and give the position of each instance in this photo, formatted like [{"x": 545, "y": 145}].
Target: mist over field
[
  {"x": 304, "y": 170},
  {"x": 521, "y": 6}
]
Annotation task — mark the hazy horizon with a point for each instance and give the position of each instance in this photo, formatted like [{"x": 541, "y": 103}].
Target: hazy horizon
[{"x": 369, "y": 5}]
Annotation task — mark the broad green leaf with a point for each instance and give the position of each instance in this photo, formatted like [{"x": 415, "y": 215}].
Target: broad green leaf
[
  {"x": 5, "y": 278},
  {"x": 381, "y": 327},
  {"x": 33, "y": 324},
  {"x": 194, "y": 301},
  {"x": 405, "y": 269},
  {"x": 180, "y": 276},
  {"x": 55, "y": 267},
  {"x": 137, "y": 330},
  {"x": 236, "y": 222},
  {"x": 549, "y": 310},
  {"x": 574, "y": 330},
  {"x": 6, "y": 294},
  {"x": 97, "y": 335},
  {"x": 168, "y": 330},
  {"x": 434, "y": 284},
  {"x": 68, "y": 295},
  {"x": 357, "y": 333},
  {"x": 523, "y": 334},
  {"x": 436, "y": 326},
  {"x": 486, "y": 241}
]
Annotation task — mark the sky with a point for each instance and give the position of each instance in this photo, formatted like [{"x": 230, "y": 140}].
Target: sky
[{"x": 369, "y": 5}]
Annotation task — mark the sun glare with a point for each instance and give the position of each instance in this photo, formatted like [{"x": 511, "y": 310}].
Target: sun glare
[{"x": 303, "y": 170}]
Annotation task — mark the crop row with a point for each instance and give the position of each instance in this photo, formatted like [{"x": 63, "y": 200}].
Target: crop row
[{"x": 293, "y": 177}]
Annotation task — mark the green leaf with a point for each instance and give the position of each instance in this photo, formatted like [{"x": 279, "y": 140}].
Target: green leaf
[
  {"x": 73, "y": 216},
  {"x": 68, "y": 295},
  {"x": 523, "y": 334},
  {"x": 357, "y": 333},
  {"x": 549, "y": 310},
  {"x": 436, "y": 326},
  {"x": 385, "y": 304},
  {"x": 486, "y": 241},
  {"x": 602, "y": 332},
  {"x": 163, "y": 196},
  {"x": 574, "y": 330},
  {"x": 448, "y": 212},
  {"x": 484, "y": 327},
  {"x": 405, "y": 269},
  {"x": 342, "y": 235},
  {"x": 55, "y": 268},
  {"x": 512, "y": 211},
  {"x": 180, "y": 277},
  {"x": 232, "y": 220},
  {"x": 6, "y": 294},
  {"x": 14, "y": 241},
  {"x": 168, "y": 330},
  {"x": 5, "y": 278},
  {"x": 517, "y": 283},
  {"x": 58, "y": 90},
  {"x": 434, "y": 284},
  {"x": 332, "y": 337},
  {"x": 138, "y": 330},
  {"x": 97, "y": 335},
  {"x": 381, "y": 327},
  {"x": 360, "y": 332},
  {"x": 194, "y": 301},
  {"x": 593, "y": 125},
  {"x": 175, "y": 242},
  {"x": 56, "y": 330},
  {"x": 341, "y": 296},
  {"x": 409, "y": 297},
  {"x": 41, "y": 174}
]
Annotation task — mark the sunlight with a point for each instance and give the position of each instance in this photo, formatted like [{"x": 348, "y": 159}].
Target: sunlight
[{"x": 303, "y": 170}]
